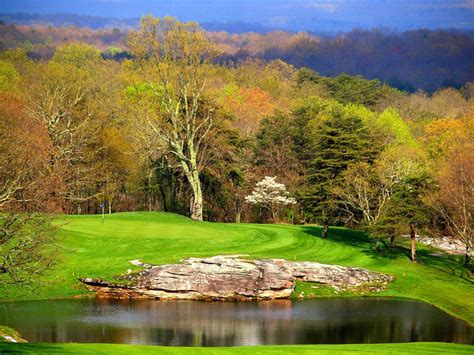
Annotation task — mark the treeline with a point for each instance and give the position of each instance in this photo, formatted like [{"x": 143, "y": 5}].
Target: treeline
[
  {"x": 413, "y": 60},
  {"x": 97, "y": 23},
  {"x": 68, "y": 19},
  {"x": 171, "y": 130}
]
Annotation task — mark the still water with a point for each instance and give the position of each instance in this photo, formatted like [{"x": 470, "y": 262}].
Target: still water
[{"x": 187, "y": 323}]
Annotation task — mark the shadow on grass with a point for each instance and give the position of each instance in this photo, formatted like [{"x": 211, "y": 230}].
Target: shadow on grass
[
  {"x": 355, "y": 239},
  {"x": 21, "y": 348},
  {"x": 449, "y": 264}
]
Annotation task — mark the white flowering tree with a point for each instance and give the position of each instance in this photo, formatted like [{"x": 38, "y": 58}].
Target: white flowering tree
[{"x": 270, "y": 195}]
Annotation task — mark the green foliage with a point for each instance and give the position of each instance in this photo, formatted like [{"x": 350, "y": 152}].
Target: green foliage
[
  {"x": 9, "y": 76},
  {"x": 27, "y": 46},
  {"x": 113, "y": 51},
  {"x": 407, "y": 201},
  {"x": 274, "y": 132},
  {"x": 77, "y": 54},
  {"x": 139, "y": 90},
  {"x": 306, "y": 75},
  {"x": 25, "y": 247},
  {"x": 393, "y": 125},
  {"x": 349, "y": 89},
  {"x": 406, "y": 207},
  {"x": 338, "y": 138}
]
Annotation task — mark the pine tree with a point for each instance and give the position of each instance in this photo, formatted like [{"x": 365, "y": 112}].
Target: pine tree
[
  {"x": 405, "y": 212},
  {"x": 340, "y": 140}
]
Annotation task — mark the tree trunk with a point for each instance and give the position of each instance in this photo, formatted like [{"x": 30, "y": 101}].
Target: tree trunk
[
  {"x": 273, "y": 215},
  {"x": 163, "y": 198},
  {"x": 237, "y": 210},
  {"x": 149, "y": 192},
  {"x": 196, "y": 207},
  {"x": 468, "y": 255},
  {"x": 413, "y": 243},
  {"x": 392, "y": 242},
  {"x": 110, "y": 206},
  {"x": 325, "y": 230},
  {"x": 196, "y": 202},
  {"x": 237, "y": 217}
]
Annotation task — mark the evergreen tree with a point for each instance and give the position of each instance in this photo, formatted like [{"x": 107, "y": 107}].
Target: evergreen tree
[
  {"x": 405, "y": 213},
  {"x": 339, "y": 140}
]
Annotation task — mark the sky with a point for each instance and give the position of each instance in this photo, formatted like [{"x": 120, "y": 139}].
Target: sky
[{"x": 314, "y": 15}]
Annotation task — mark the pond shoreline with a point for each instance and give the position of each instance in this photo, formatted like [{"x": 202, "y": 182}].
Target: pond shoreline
[
  {"x": 293, "y": 297},
  {"x": 273, "y": 322}
]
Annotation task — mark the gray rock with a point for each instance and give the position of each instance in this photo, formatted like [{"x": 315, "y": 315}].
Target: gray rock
[{"x": 233, "y": 278}]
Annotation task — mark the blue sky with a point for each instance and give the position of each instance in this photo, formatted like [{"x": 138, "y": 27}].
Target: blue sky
[{"x": 295, "y": 15}]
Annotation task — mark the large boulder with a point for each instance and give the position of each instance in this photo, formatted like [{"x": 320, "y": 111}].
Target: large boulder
[{"x": 234, "y": 278}]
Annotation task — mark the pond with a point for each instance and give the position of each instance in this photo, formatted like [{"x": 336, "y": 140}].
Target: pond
[{"x": 188, "y": 323}]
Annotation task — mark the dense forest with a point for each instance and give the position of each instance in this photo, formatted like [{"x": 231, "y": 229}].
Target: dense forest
[
  {"x": 414, "y": 60},
  {"x": 170, "y": 127}
]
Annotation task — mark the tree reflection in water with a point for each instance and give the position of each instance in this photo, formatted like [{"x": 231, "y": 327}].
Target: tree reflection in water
[{"x": 188, "y": 323}]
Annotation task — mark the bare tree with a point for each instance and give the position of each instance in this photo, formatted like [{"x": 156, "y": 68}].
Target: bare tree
[
  {"x": 174, "y": 57},
  {"x": 25, "y": 186},
  {"x": 366, "y": 190},
  {"x": 60, "y": 105},
  {"x": 454, "y": 199}
]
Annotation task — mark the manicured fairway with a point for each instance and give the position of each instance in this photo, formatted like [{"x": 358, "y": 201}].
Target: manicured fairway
[
  {"x": 95, "y": 249},
  {"x": 403, "y": 348}
]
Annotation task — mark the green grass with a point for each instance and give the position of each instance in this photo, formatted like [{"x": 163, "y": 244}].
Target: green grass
[
  {"x": 95, "y": 249},
  {"x": 402, "y": 348}
]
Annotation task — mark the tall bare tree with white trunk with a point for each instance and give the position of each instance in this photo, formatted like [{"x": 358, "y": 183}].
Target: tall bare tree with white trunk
[{"x": 174, "y": 58}]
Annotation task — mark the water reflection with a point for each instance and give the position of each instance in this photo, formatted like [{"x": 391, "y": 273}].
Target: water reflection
[{"x": 187, "y": 323}]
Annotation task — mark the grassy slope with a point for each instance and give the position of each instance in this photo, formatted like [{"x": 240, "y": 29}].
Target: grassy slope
[
  {"x": 403, "y": 348},
  {"x": 94, "y": 249}
]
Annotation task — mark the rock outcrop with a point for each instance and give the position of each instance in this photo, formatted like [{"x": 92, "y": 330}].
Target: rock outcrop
[{"x": 234, "y": 278}]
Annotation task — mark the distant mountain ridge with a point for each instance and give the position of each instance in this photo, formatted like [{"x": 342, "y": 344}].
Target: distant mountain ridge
[
  {"x": 97, "y": 22},
  {"x": 409, "y": 60},
  {"x": 294, "y": 15},
  {"x": 67, "y": 19}
]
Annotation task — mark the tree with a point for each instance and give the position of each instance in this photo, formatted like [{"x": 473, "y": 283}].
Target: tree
[
  {"x": 337, "y": 137},
  {"x": 404, "y": 212},
  {"x": 274, "y": 148},
  {"x": 247, "y": 106},
  {"x": 173, "y": 56},
  {"x": 25, "y": 250},
  {"x": 354, "y": 89},
  {"x": 365, "y": 190},
  {"x": 77, "y": 54},
  {"x": 271, "y": 195},
  {"x": 237, "y": 183},
  {"x": 116, "y": 167},
  {"x": 62, "y": 107},
  {"x": 451, "y": 143},
  {"x": 26, "y": 182},
  {"x": 454, "y": 199},
  {"x": 8, "y": 76},
  {"x": 25, "y": 187}
]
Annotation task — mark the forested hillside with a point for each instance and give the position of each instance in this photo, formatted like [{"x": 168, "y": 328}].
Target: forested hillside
[
  {"x": 169, "y": 127},
  {"x": 415, "y": 60}
]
